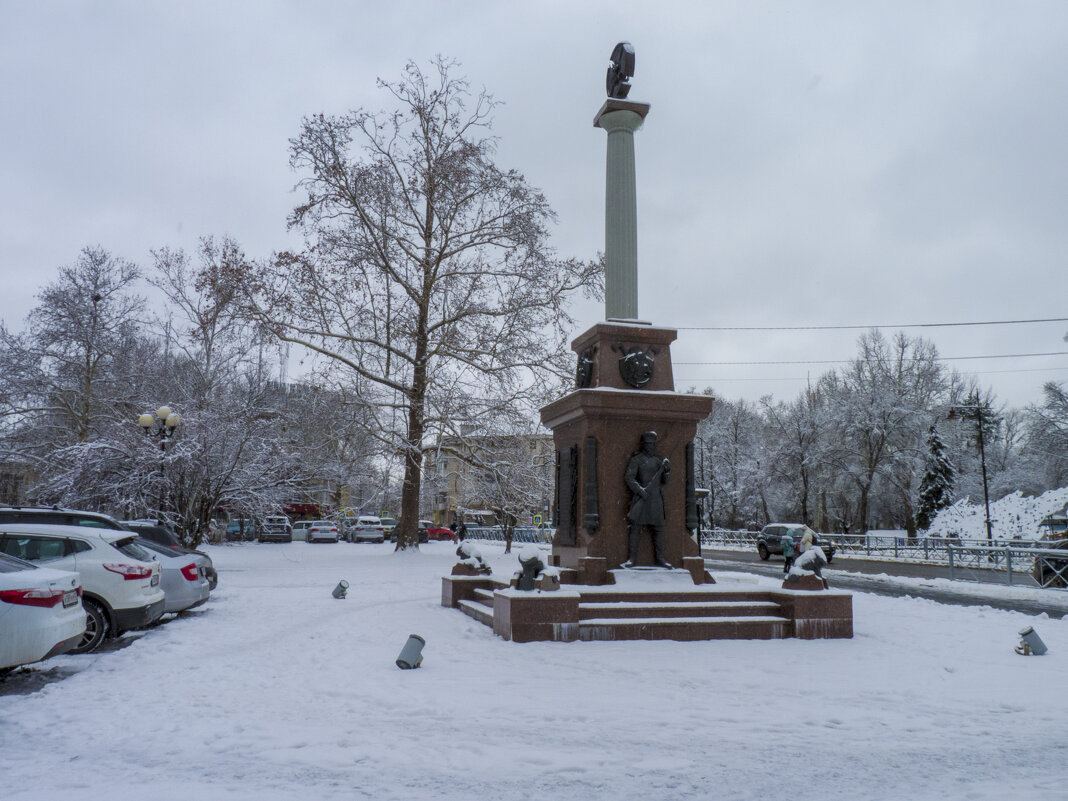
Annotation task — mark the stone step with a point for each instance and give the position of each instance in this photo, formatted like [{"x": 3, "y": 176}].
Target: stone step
[
  {"x": 674, "y": 609},
  {"x": 764, "y": 627},
  {"x": 485, "y": 597},
  {"x": 608, "y": 594},
  {"x": 478, "y": 611}
]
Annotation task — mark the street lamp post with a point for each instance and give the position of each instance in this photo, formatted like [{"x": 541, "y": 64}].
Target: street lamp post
[{"x": 162, "y": 426}]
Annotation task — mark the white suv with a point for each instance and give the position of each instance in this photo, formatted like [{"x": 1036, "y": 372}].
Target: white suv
[{"x": 120, "y": 581}]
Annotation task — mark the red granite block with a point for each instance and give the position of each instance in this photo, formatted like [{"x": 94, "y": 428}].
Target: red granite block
[{"x": 462, "y": 588}]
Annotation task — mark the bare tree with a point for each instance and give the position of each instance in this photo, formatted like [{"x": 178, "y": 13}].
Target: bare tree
[{"x": 427, "y": 286}]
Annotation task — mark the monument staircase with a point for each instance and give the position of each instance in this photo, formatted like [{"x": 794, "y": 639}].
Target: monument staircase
[{"x": 612, "y": 612}]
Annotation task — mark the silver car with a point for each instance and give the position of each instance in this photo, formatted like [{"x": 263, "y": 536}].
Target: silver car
[{"x": 184, "y": 582}]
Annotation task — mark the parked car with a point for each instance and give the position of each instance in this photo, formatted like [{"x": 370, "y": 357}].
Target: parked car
[
  {"x": 769, "y": 540},
  {"x": 241, "y": 528},
  {"x": 388, "y": 524},
  {"x": 183, "y": 584},
  {"x": 366, "y": 529},
  {"x": 433, "y": 531},
  {"x": 120, "y": 580},
  {"x": 41, "y": 612},
  {"x": 1050, "y": 571},
  {"x": 300, "y": 529},
  {"x": 55, "y": 516},
  {"x": 154, "y": 531},
  {"x": 276, "y": 529},
  {"x": 322, "y": 531}
]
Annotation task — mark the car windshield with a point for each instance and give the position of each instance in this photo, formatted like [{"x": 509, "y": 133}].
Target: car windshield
[{"x": 388, "y": 521}]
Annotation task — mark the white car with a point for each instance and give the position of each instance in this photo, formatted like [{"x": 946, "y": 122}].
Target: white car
[
  {"x": 120, "y": 581},
  {"x": 367, "y": 529},
  {"x": 322, "y": 531},
  {"x": 300, "y": 529},
  {"x": 41, "y": 612},
  {"x": 183, "y": 582}
]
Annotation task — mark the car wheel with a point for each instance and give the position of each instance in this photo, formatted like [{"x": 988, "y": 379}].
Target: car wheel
[
  {"x": 762, "y": 551},
  {"x": 96, "y": 628}
]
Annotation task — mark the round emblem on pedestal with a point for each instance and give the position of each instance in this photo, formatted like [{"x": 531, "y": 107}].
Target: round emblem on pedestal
[{"x": 636, "y": 367}]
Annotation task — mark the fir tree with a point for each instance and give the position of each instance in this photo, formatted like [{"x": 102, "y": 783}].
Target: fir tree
[{"x": 936, "y": 487}]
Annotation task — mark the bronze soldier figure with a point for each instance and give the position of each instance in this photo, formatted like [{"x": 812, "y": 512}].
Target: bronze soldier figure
[{"x": 646, "y": 473}]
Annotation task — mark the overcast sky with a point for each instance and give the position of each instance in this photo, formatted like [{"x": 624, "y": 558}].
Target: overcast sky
[{"x": 803, "y": 164}]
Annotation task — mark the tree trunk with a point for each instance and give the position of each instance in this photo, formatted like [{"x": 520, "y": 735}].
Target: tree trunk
[{"x": 408, "y": 526}]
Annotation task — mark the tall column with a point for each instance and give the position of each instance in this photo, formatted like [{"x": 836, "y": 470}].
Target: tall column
[{"x": 621, "y": 118}]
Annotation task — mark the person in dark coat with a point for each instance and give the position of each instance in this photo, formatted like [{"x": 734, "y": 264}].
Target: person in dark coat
[{"x": 647, "y": 472}]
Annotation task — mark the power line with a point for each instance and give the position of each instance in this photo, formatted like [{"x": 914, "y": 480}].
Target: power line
[
  {"x": 808, "y": 378},
  {"x": 867, "y": 327},
  {"x": 847, "y": 361}
]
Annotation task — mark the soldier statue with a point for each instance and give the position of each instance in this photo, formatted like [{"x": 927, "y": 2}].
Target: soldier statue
[{"x": 646, "y": 473}]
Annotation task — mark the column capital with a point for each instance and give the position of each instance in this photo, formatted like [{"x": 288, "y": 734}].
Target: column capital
[{"x": 614, "y": 104}]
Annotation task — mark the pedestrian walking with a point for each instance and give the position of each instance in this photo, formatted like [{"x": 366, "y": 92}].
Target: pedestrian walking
[
  {"x": 807, "y": 540},
  {"x": 461, "y": 532},
  {"x": 788, "y": 551}
]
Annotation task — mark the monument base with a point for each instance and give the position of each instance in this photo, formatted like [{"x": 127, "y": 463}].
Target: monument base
[
  {"x": 625, "y": 389},
  {"x": 650, "y": 605}
]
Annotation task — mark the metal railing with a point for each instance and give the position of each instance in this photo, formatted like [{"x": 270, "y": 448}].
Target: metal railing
[
  {"x": 1028, "y": 562},
  {"x": 1021, "y": 562},
  {"x": 520, "y": 534},
  {"x": 1046, "y": 567}
]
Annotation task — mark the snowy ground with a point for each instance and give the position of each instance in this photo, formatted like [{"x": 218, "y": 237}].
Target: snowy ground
[{"x": 275, "y": 690}]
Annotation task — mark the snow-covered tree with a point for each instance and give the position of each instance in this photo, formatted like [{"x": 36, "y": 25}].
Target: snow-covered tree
[
  {"x": 936, "y": 486},
  {"x": 1047, "y": 434},
  {"x": 880, "y": 404},
  {"x": 735, "y": 464}
]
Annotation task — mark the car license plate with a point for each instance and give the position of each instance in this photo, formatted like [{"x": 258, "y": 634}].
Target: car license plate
[
  {"x": 70, "y": 598},
  {"x": 155, "y": 580}
]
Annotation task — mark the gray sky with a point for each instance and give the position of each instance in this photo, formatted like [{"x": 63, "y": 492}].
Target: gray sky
[{"x": 803, "y": 164}]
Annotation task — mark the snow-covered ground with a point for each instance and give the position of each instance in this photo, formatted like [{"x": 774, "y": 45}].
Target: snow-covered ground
[{"x": 275, "y": 690}]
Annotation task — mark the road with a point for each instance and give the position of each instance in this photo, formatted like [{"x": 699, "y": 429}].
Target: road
[{"x": 849, "y": 573}]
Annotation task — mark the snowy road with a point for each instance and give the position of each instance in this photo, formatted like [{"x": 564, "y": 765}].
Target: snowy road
[{"x": 275, "y": 690}]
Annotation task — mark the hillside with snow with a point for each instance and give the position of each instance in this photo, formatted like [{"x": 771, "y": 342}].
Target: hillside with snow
[{"x": 1014, "y": 515}]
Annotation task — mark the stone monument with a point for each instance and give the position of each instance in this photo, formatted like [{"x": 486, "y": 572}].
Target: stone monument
[{"x": 624, "y": 389}]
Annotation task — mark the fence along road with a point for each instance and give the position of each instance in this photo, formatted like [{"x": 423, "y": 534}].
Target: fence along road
[{"x": 980, "y": 567}]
